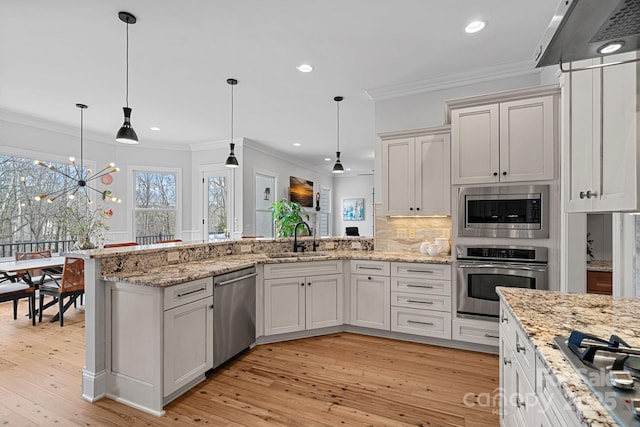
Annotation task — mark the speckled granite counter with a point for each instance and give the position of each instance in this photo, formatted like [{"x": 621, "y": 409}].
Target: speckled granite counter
[
  {"x": 173, "y": 274},
  {"x": 600, "y": 265},
  {"x": 543, "y": 315}
]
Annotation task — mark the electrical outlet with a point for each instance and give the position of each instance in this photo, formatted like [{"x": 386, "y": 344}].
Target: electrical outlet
[
  {"x": 356, "y": 245},
  {"x": 329, "y": 245},
  {"x": 173, "y": 256},
  {"x": 402, "y": 233},
  {"x": 245, "y": 249},
  {"x": 412, "y": 233}
]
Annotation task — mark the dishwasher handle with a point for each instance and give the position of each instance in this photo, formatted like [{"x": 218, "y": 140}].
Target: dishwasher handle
[{"x": 237, "y": 279}]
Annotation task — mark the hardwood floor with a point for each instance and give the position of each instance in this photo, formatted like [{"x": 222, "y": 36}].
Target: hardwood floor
[{"x": 340, "y": 379}]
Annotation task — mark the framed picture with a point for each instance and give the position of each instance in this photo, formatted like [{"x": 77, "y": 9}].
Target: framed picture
[
  {"x": 353, "y": 209},
  {"x": 301, "y": 191}
]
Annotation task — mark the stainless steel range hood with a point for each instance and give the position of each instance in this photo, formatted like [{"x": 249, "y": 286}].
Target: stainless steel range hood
[{"x": 580, "y": 28}]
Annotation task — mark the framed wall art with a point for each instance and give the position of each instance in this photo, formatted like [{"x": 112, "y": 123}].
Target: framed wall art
[{"x": 353, "y": 209}]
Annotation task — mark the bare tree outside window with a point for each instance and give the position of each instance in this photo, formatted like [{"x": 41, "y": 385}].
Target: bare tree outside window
[
  {"x": 217, "y": 212},
  {"x": 155, "y": 204}
]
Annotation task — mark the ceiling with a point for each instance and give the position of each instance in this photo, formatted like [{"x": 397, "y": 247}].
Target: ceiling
[{"x": 55, "y": 54}]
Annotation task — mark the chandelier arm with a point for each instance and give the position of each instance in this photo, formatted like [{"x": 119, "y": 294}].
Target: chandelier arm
[
  {"x": 98, "y": 191},
  {"x": 57, "y": 193},
  {"x": 101, "y": 173},
  {"x": 59, "y": 171}
]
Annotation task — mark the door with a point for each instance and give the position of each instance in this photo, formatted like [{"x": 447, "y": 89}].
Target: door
[
  {"x": 188, "y": 335},
  {"x": 371, "y": 301},
  {"x": 527, "y": 135},
  {"x": 398, "y": 173},
  {"x": 433, "y": 177},
  {"x": 218, "y": 217},
  {"x": 284, "y": 301},
  {"x": 475, "y": 145},
  {"x": 324, "y": 296}
]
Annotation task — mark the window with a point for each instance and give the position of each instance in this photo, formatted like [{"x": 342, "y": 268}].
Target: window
[
  {"x": 155, "y": 213},
  {"x": 218, "y": 205},
  {"x": 325, "y": 212}
]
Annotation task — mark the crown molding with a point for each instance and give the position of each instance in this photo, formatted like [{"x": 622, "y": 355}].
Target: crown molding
[
  {"x": 214, "y": 145},
  {"x": 466, "y": 78}
]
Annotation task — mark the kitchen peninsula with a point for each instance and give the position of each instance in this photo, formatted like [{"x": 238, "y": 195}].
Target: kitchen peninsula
[
  {"x": 128, "y": 366},
  {"x": 530, "y": 322}
]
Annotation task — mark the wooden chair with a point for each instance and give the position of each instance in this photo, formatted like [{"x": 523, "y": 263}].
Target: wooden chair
[
  {"x": 118, "y": 245},
  {"x": 169, "y": 241},
  {"x": 14, "y": 290},
  {"x": 71, "y": 285}
]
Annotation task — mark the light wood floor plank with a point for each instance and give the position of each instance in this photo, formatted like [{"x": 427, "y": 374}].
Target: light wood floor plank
[{"x": 340, "y": 379}]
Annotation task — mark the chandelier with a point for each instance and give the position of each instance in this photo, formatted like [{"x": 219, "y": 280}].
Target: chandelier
[{"x": 80, "y": 177}]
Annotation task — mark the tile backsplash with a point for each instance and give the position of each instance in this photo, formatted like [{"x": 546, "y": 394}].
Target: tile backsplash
[{"x": 406, "y": 234}]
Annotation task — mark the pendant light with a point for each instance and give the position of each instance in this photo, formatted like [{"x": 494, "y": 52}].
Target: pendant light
[
  {"x": 80, "y": 179},
  {"x": 232, "y": 161},
  {"x": 126, "y": 134},
  {"x": 337, "y": 168}
]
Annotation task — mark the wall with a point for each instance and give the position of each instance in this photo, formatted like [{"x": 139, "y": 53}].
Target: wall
[
  {"x": 425, "y": 229},
  {"x": 600, "y": 228},
  {"x": 353, "y": 187}
]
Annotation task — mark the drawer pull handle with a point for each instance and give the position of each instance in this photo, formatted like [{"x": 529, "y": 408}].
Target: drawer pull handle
[
  {"x": 488, "y": 335},
  {"x": 506, "y": 361},
  {"x": 520, "y": 403},
  {"x": 420, "y": 323},
  {"x": 504, "y": 319},
  {"x": 370, "y": 268},
  {"x": 420, "y": 286},
  {"x": 420, "y": 271},
  {"x": 520, "y": 349},
  {"x": 419, "y": 302},
  {"x": 195, "y": 291}
]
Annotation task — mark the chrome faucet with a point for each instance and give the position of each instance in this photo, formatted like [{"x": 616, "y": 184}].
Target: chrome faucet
[{"x": 295, "y": 236}]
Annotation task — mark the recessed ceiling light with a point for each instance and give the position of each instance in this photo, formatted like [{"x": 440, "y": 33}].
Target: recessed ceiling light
[
  {"x": 348, "y": 169},
  {"x": 296, "y": 144},
  {"x": 610, "y": 47},
  {"x": 305, "y": 68},
  {"x": 154, "y": 128},
  {"x": 474, "y": 27},
  {"x": 327, "y": 159}
]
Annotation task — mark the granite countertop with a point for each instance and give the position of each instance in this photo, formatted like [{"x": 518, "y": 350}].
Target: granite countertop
[
  {"x": 600, "y": 265},
  {"x": 544, "y": 315},
  {"x": 174, "y": 274}
]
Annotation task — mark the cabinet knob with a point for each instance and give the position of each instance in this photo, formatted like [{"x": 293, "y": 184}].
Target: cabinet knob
[
  {"x": 301, "y": 284},
  {"x": 504, "y": 173},
  {"x": 369, "y": 278},
  {"x": 506, "y": 361},
  {"x": 520, "y": 403},
  {"x": 211, "y": 306},
  {"x": 410, "y": 209},
  {"x": 583, "y": 195},
  {"x": 417, "y": 209},
  {"x": 504, "y": 319},
  {"x": 590, "y": 194},
  {"x": 495, "y": 174},
  {"x": 520, "y": 349},
  {"x": 309, "y": 284}
]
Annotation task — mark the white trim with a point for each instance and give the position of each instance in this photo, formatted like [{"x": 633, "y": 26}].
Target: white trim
[
  {"x": 43, "y": 156},
  {"x": 623, "y": 254},
  {"x": 218, "y": 169},
  {"x": 212, "y": 145}
]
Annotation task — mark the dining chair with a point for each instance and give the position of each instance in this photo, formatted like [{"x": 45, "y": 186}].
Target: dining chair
[
  {"x": 118, "y": 245},
  {"x": 37, "y": 276},
  {"x": 71, "y": 285},
  {"x": 14, "y": 290},
  {"x": 169, "y": 241}
]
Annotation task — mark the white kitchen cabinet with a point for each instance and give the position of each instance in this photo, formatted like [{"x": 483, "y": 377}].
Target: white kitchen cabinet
[
  {"x": 600, "y": 167},
  {"x": 421, "y": 299},
  {"x": 303, "y": 301},
  {"x": 506, "y": 140},
  {"x": 416, "y": 172},
  {"x": 371, "y": 294},
  {"x": 475, "y": 331}
]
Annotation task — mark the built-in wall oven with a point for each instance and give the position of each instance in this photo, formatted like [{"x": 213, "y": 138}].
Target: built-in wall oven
[
  {"x": 482, "y": 268},
  {"x": 504, "y": 211}
]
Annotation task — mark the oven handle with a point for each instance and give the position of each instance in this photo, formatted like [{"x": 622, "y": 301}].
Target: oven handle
[{"x": 506, "y": 266}]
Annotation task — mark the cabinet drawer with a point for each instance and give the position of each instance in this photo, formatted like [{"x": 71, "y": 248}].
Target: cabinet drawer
[
  {"x": 421, "y": 271},
  {"x": 522, "y": 347},
  {"x": 421, "y": 286},
  {"x": 552, "y": 402},
  {"x": 371, "y": 268},
  {"x": 599, "y": 282},
  {"x": 302, "y": 268},
  {"x": 421, "y": 301},
  {"x": 184, "y": 293},
  {"x": 421, "y": 322},
  {"x": 476, "y": 331}
]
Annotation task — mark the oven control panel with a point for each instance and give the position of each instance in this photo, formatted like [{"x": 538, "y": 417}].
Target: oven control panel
[{"x": 502, "y": 253}]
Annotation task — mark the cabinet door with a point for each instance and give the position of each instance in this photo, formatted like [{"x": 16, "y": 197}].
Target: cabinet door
[
  {"x": 324, "y": 295},
  {"x": 371, "y": 301},
  {"x": 617, "y": 158},
  {"x": 398, "y": 176},
  {"x": 188, "y": 347},
  {"x": 475, "y": 145},
  {"x": 527, "y": 139},
  {"x": 433, "y": 177},
  {"x": 284, "y": 305}
]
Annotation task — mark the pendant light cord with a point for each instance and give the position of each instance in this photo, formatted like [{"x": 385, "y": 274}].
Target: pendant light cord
[
  {"x": 338, "y": 127},
  {"x": 231, "y": 114},
  {"x": 127, "y": 61},
  {"x": 81, "y": 174}
]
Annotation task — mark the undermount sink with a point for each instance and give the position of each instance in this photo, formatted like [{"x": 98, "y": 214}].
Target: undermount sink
[{"x": 297, "y": 254}]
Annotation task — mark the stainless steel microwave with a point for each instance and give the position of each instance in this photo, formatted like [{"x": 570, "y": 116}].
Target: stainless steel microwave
[{"x": 504, "y": 211}]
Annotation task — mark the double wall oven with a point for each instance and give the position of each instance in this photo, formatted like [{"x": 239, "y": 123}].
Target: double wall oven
[{"x": 487, "y": 217}]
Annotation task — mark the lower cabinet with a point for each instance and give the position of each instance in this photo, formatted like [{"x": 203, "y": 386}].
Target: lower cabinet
[
  {"x": 370, "y": 294},
  {"x": 476, "y": 331},
  {"x": 302, "y": 302}
]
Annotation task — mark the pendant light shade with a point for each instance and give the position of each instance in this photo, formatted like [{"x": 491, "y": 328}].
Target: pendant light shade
[
  {"x": 232, "y": 161},
  {"x": 337, "y": 167},
  {"x": 126, "y": 134}
]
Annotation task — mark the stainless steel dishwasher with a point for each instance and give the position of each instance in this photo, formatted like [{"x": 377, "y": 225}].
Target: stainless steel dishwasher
[{"x": 234, "y": 314}]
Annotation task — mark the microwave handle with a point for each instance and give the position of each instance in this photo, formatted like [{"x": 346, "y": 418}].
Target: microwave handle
[{"x": 505, "y": 265}]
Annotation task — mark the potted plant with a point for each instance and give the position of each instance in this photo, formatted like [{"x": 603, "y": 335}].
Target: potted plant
[
  {"x": 286, "y": 215},
  {"x": 86, "y": 225}
]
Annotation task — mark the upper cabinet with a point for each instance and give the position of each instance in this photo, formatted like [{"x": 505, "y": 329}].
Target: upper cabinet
[
  {"x": 508, "y": 137},
  {"x": 416, "y": 172},
  {"x": 600, "y": 136}
]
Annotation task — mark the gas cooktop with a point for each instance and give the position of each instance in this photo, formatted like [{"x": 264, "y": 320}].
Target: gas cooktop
[{"x": 611, "y": 369}]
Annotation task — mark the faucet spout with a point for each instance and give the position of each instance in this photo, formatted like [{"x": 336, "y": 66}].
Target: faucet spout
[{"x": 296, "y": 245}]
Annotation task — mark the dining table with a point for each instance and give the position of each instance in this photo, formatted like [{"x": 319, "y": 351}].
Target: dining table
[{"x": 9, "y": 268}]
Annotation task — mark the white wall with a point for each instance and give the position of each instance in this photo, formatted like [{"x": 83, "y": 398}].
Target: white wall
[{"x": 354, "y": 187}]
